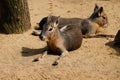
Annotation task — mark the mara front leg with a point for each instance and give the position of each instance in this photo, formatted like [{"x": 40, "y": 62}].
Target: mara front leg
[
  {"x": 36, "y": 33},
  {"x": 89, "y": 35},
  {"x": 91, "y": 32},
  {"x": 63, "y": 54},
  {"x": 44, "y": 53}
]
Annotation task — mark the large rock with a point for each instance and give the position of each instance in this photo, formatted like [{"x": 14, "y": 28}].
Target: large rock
[{"x": 117, "y": 39}]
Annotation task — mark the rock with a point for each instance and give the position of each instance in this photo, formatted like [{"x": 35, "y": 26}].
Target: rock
[{"x": 117, "y": 39}]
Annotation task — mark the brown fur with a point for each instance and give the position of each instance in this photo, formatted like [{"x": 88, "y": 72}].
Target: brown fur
[{"x": 61, "y": 42}]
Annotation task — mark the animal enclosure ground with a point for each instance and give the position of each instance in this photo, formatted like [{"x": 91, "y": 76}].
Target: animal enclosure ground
[{"x": 97, "y": 59}]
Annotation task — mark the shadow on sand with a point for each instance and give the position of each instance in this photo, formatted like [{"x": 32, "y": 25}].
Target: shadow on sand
[
  {"x": 117, "y": 49},
  {"x": 26, "y": 52},
  {"x": 104, "y": 36}
]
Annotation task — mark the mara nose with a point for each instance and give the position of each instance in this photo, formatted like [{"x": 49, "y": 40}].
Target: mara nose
[
  {"x": 42, "y": 37},
  {"x": 106, "y": 25}
]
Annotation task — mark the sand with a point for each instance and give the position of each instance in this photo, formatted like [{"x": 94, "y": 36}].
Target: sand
[{"x": 97, "y": 59}]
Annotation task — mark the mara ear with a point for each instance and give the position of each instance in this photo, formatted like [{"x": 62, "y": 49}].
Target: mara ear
[
  {"x": 49, "y": 18},
  {"x": 96, "y": 8},
  {"x": 57, "y": 21},
  {"x": 100, "y": 11}
]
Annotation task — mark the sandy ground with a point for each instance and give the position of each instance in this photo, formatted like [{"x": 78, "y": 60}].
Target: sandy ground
[{"x": 97, "y": 59}]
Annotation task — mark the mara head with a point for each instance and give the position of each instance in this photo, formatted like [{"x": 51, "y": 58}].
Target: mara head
[
  {"x": 49, "y": 27},
  {"x": 99, "y": 16}
]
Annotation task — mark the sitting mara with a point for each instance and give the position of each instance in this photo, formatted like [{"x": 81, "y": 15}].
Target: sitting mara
[{"x": 60, "y": 42}]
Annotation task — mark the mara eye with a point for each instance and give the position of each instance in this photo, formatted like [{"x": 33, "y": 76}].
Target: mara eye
[
  {"x": 103, "y": 17},
  {"x": 50, "y": 29}
]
